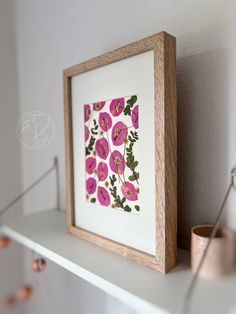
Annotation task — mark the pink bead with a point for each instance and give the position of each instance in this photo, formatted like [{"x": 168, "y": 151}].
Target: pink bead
[
  {"x": 39, "y": 265},
  {"x": 25, "y": 293},
  {"x": 4, "y": 242}
]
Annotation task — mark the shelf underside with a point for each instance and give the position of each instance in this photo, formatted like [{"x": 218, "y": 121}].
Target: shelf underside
[{"x": 140, "y": 287}]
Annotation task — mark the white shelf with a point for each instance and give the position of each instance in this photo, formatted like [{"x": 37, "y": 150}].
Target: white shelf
[{"x": 140, "y": 287}]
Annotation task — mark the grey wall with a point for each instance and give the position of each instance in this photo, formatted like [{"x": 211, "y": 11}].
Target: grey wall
[
  {"x": 11, "y": 259},
  {"x": 54, "y": 34}
]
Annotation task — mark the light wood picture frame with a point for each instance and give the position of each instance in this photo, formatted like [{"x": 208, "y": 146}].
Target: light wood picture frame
[{"x": 163, "y": 47}]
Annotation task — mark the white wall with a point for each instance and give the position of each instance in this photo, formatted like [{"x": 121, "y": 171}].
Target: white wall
[
  {"x": 11, "y": 259},
  {"x": 54, "y": 34}
]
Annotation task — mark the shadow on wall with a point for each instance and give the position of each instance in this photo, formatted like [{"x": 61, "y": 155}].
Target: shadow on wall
[{"x": 202, "y": 81}]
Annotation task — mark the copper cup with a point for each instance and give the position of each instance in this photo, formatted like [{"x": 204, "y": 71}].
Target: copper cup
[{"x": 220, "y": 258}]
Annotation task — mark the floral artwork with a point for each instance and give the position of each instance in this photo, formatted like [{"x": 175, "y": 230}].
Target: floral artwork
[{"x": 111, "y": 134}]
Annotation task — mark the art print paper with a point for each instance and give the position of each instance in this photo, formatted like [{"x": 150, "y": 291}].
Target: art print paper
[{"x": 111, "y": 129}]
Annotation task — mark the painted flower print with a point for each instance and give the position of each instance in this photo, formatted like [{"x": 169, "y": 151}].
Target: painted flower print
[
  {"x": 117, "y": 106},
  {"x": 87, "y": 112},
  {"x": 117, "y": 162},
  {"x": 90, "y": 165},
  {"x": 104, "y": 121},
  {"x": 86, "y": 133},
  {"x": 97, "y": 106},
  {"x": 102, "y": 148},
  {"x": 102, "y": 171},
  {"x": 91, "y": 185},
  {"x": 129, "y": 191},
  {"x": 103, "y": 196},
  {"x": 112, "y": 153},
  {"x": 134, "y": 117},
  {"x": 119, "y": 133}
]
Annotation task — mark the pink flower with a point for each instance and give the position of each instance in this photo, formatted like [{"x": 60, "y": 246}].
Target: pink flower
[
  {"x": 129, "y": 191},
  {"x": 91, "y": 185},
  {"x": 98, "y": 105},
  {"x": 117, "y": 162},
  {"x": 87, "y": 112},
  {"x": 103, "y": 196},
  {"x": 104, "y": 121},
  {"x": 117, "y": 106},
  {"x": 119, "y": 133},
  {"x": 86, "y": 133},
  {"x": 102, "y": 171},
  {"x": 102, "y": 148},
  {"x": 90, "y": 165},
  {"x": 135, "y": 117}
]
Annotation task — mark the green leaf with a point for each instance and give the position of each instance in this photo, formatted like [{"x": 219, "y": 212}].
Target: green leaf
[
  {"x": 129, "y": 149},
  {"x": 132, "y": 100},
  {"x": 127, "y": 208},
  {"x": 90, "y": 146},
  {"x": 130, "y": 166},
  {"x": 130, "y": 159},
  {"x": 131, "y": 139},
  {"x": 132, "y": 178},
  {"x": 123, "y": 200},
  {"x": 112, "y": 179},
  {"x": 93, "y": 200},
  {"x": 127, "y": 110},
  {"x": 137, "y": 207},
  {"x": 133, "y": 136},
  {"x": 112, "y": 182}
]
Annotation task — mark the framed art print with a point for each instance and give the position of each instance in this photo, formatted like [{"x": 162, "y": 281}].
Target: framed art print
[{"x": 120, "y": 128}]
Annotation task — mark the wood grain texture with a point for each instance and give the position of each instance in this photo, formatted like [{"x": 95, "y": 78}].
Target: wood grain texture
[
  {"x": 69, "y": 151},
  {"x": 163, "y": 46},
  {"x": 166, "y": 153}
]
